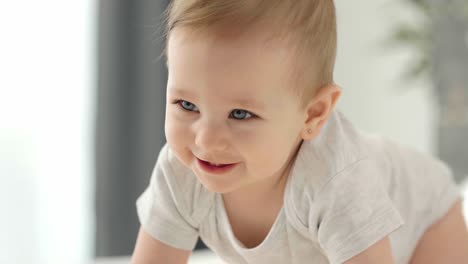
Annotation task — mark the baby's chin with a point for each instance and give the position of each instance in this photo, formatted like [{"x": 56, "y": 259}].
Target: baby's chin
[{"x": 215, "y": 186}]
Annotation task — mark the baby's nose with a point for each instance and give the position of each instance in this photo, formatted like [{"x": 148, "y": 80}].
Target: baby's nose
[{"x": 211, "y": 139}]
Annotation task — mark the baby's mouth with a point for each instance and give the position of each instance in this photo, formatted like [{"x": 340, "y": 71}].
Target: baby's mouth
[
  {"x": 219, "y": 165},
  {"x": 215, "y": 168}
]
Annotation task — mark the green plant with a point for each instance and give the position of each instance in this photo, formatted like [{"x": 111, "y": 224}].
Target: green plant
[{"x": 421, "y": 38}]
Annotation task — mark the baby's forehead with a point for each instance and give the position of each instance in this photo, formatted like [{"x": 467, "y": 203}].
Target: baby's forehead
[
  {"x": 257, "y": 52},
  {"x": 257, "y": 39}
]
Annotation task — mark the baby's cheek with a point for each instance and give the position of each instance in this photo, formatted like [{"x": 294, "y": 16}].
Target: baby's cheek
[
  {"x": 275, "y": 148},
  {"x": 259, "y": 146},
  {"x": 175, "y": 123},
  {"x": 178, "y": 135}
]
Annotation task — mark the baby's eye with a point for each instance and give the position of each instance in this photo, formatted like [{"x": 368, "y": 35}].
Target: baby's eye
[
  {"x": 237, "y": 114},
  {"x": 188, "y": 106},
  {"x": 241, "y": 114}
]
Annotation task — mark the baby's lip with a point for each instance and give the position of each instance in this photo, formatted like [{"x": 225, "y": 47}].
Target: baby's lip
[
  {"x": 215, "y": 169},
  {"x": 218, "y": 163}
]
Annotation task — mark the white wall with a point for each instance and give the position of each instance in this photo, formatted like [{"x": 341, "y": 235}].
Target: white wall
[
  {"x": 374, "y": 95},
  {"x": 46, "y": 118}
]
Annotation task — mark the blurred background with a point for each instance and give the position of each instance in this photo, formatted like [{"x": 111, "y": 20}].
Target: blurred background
[{"x": 82, "y": 96}]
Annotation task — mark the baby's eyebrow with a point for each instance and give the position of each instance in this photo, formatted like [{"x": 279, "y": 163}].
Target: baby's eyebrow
[
  {"x": 248, "y": 103},
  {"x": 180, "y": 92}
]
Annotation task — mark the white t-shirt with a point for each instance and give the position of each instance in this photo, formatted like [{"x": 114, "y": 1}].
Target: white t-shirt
[{"x": 346, "y": 191}]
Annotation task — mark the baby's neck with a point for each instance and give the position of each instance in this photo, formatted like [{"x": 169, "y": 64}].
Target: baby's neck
[{"x": 259, "y": 194}]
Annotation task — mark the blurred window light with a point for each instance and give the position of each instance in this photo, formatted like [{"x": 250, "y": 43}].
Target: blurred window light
[{"x": 46, "y": 117}]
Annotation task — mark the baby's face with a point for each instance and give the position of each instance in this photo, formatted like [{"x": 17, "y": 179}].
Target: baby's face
[{"x": 228, "y": 102}]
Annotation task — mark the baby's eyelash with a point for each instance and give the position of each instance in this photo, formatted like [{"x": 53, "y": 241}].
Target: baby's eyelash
[
  {"x": 179, "y": 101},
  {"x": 250, "y": 113}
]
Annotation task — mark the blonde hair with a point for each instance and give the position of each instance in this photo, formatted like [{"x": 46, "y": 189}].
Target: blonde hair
[{"x": 309, "y": 24}]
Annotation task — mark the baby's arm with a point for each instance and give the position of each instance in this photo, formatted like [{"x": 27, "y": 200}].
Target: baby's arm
[
  {"x": 444, "y": 242},
  {"x": 380, "y": 252},
  {"x": 151, "y": 251}
]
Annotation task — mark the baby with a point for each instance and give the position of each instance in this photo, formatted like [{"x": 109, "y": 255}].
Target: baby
[{"x": 261, "y": 166}]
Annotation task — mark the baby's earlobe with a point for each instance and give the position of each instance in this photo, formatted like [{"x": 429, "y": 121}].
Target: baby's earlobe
[{"x": 308, "y": 134}]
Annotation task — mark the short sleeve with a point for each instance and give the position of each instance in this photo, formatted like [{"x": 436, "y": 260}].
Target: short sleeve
[
  {"x": 440, "y": 175},
  {"x": 162, "y": 209},
  {"x": 431, "y": 185},
  {"x": 354, "y": 211}
]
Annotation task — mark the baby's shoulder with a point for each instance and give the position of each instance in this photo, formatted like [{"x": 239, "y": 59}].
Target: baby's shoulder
[
  {"x": 315, "y": 181},
  {"x": 335, "y": 170}
]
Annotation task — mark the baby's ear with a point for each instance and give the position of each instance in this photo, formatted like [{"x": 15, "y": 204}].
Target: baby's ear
[{"x": 319, "y": 109}]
